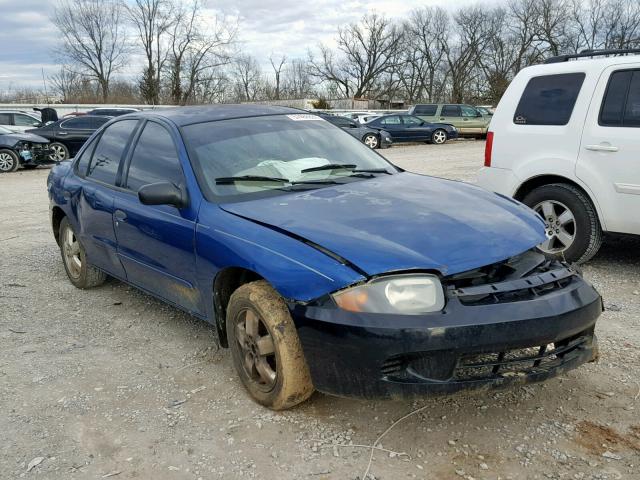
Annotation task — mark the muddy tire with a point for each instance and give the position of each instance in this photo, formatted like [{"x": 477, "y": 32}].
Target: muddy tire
[
  {"x": 9, "y": 161},
  {"x": 265, "y": 347},
  {"x": 80, "y": 273}
]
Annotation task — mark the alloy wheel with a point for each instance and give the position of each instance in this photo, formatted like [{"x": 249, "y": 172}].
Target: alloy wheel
[
  {"x": 71, "y": 251},
  {"x": 257, "y": 349},
  {"x": 57, "y": 153},
  {"x": 6, "y": 162},
  {"x": 439, "y": 137},
  {"x": 559, "y": 224},
  {"x": 371, "y": 141}
]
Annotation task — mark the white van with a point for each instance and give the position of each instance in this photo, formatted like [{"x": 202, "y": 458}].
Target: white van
[{"x": 565, "y": 140}]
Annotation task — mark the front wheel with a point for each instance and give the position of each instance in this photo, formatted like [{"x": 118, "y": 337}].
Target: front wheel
[
  {"x": 59, "y": 152},
  {"x": 80, "y": 273},
  {"x": 371, "y": 140},
  {"x": 571, "y": 222},
  {"x": 439, "y": 137},
  {"x": 9, "y": 161},
  {"x": 265, "y": 347}
]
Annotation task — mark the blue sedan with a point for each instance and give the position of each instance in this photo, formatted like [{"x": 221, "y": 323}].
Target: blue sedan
[
  {"x": 321, "y": 265},
  {"x": 409, "y": 128}
]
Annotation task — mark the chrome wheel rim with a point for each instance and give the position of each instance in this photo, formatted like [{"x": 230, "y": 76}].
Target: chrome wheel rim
[
  {"x": 371, "y": 141},
  {"x": 71, "y": 252},
  {"x": 559, "y": 224},
  {"x": 57, "y": 153},
  {"x": 439, "y": 137},
  {"x": 257, "y": 350},
  {"x": 6, "y": 162}
]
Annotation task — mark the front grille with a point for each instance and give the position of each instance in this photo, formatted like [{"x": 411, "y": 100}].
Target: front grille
[
  {"x": 516, "y": 362},
  {"x": 524, "y": 277}
]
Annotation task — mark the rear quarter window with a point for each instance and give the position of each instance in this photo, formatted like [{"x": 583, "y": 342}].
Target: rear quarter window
[
  {"x": 426, "y": 110},
  {"x": 549, "y": 99}
]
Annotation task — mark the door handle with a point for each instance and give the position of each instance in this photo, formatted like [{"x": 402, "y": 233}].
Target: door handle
[
  {"x": 62, "y": 133},
  {"x": 601, "y": 148},
  {"x": 441, "y": 118}
]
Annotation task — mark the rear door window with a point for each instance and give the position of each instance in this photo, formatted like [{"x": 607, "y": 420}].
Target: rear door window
[
  {"x": 621, "y": 103},
  {"x": 25, "y": 120},
  {"x": 549, "y": 99},
  {"x": 108, "y": 153},
  {"x": 392, "y": 120},
  {"x": 78, "y": 123},
  {"x": 427, "y": 110},
  {"x": 451, "y": 111}
]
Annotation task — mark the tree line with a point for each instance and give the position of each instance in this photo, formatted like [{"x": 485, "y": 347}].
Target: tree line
[{"x": 469, "y": 54}]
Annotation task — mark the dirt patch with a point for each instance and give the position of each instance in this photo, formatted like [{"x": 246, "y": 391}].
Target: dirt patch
[{"x": 598, "y": 439}]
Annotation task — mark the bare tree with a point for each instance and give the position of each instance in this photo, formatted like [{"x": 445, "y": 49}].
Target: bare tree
[
  {"x": 198, "y": 47},
  {"x": 366, "y": 51},
  {"x": 152, "y": 20},
  {"x": 296, "y": 82},
  {"x": 248, "y": 78},
  {"x": 94, "y": 39},
  {"x": 277, "y": 71}
]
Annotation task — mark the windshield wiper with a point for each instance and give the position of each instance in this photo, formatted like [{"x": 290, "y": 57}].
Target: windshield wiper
[
  {"x": 330, "y": 166},
  {"x": 250, "y": 178},
  {"x": 373, "y": 170}
]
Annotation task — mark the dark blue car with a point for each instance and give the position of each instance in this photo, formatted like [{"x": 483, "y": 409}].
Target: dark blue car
[
  {"x": 409, "y": 128},
  {"x": 321, "y": 265}
]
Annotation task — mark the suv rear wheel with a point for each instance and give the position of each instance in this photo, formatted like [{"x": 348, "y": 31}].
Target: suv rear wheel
[{"x": 571, "y": 223}]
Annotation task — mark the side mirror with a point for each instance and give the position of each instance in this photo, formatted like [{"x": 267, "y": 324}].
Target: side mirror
[
  {"x": 353, "y": 125},
  {"x": 163, "y": 193}
]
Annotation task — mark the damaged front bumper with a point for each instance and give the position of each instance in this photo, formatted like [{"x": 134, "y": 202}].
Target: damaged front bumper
[
  {"x": 34, "y": 154},
  {"x": 522, "y": 333}
]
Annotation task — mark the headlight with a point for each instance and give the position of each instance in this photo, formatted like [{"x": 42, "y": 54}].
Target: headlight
[{"x": 400, "y": 294}]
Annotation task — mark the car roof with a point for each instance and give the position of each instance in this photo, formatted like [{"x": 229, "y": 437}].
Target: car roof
[{"x": 183, "y": 116}]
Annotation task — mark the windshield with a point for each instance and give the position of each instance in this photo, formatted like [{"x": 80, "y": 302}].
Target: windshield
[{"x": 270, "y": 155}]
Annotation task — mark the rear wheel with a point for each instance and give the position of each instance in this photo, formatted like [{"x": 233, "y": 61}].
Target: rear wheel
[
  {"x": 371, "y": 140},
  {"x": 59, "y": 152},
  {"x": 439, "y": 137},
  {"x": 265, "y": 347},
  {"x": 9, "y": 161},
  {"x": 80, "y": 273},
  {"x": 571, "y": 222}
]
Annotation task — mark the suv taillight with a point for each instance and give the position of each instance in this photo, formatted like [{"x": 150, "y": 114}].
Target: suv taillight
[{"x": 488, "y": 147}]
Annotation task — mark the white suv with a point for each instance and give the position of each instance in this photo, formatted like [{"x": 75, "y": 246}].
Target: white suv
[{"x": 565, "y": 140}]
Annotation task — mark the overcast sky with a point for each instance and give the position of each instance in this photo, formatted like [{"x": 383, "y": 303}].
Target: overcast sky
[{"x": 28, "y": 39}]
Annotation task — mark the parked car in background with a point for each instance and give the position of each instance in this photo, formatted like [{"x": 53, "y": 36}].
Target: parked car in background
[
  {"x": 21, "y": 149},
  {"x": 19, "y": 121},
  {"x": 565, "y": 141},
  {"x": 409, "y": 128},
  {"x": 368, "y": 117},
  {"x": 112, "y": 111},
  {"x": 486, "y": 111},
  {"x": 74, "y": 114},
  {"x": 467, "y": 119},
  {"x": 321, "y": 265},
  {"x": 371, "y": 137},
  {"x": 69, "y": 134}
]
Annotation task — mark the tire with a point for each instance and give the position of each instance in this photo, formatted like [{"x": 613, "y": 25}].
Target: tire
[
  {"x": 439, "y": 137},
  {"x": 74, "y": 259},
  {"x": 9, "y": 161},
  {"x": 551, "y": 201},
  {"x": 258, "y": 319},
  {"x": 371, "y": 140},
  {"x": 59, "y": 152}
]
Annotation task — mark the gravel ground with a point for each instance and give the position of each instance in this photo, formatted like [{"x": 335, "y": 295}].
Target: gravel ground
[{"x": 109, "y": 382}]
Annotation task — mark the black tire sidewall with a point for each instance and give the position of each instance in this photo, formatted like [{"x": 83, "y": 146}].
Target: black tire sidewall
[
  {"x": 81, "y": 281},
  {"x": 584, "y": 225},
  {"x": 16, "y": 160}
]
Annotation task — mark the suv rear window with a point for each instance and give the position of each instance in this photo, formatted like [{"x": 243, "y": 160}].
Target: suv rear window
[
  {"x": 549, "y": 99},
  {"x": 428, "y": 110},
  {"x": 621, "y": 104}
]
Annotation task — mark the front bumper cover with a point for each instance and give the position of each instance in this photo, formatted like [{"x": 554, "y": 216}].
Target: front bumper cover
[{"x": 464, "y": 346}]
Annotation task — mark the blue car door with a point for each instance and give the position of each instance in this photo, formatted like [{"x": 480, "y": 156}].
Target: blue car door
[
  {"x": 94, "y": 205},
  {"x": 394, "y": 126},
  {"x": 156, "y": 242},
  {"x": 415, "y": 128}
]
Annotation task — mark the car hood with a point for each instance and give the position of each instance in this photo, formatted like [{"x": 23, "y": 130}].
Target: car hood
[
  {"x": 13, "y": 138},
  {"x": 403, "y": 222}
]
